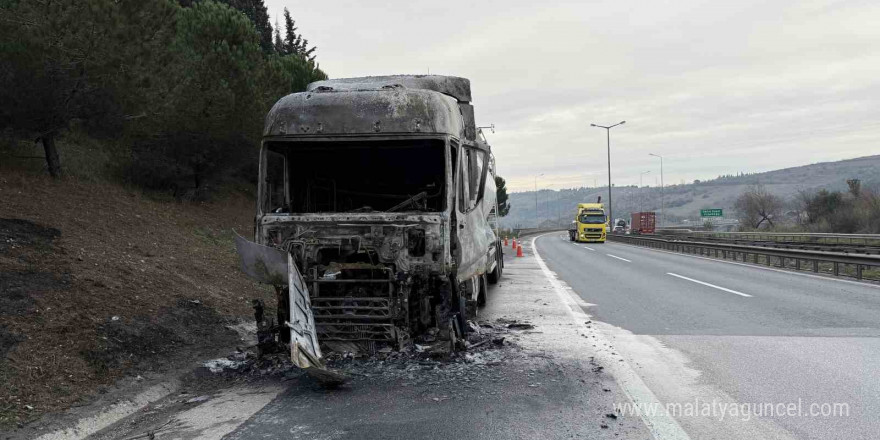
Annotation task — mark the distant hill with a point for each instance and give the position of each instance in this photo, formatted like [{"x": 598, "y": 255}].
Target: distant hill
[{"x": 685, "y": 201}]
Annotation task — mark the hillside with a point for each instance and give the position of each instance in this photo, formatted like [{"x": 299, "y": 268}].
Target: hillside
[
  {"x": 99, "y": 282},
  {"x": 685, "y": 201}
]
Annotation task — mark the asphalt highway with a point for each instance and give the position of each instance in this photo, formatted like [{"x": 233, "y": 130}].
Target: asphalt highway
[
  {"x": 552, "y": 379},
  {"x": 623, "y": 342},
  {"x": 703, "y": 331}
]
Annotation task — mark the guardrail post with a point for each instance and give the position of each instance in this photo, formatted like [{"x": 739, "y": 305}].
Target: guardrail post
[
  {"x": 858, "y": 271},
  {"x": 769, "y": 263},
  {"x": 836, "y": 269},
  {"x": 816, "y": 266},
  {"x": 797, "y": 264}
]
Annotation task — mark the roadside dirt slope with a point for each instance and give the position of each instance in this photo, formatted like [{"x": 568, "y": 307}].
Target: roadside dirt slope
[{"x": 98, "y": 282}]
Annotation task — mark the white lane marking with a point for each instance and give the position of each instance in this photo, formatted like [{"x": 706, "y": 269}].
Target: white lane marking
[
  {"x": 710, "y": 285},
  {"x": 114, "y": 413},
  {"x": 619, "y": 258},
  {"x": 224, "y": 413},
  {"x": 661, "y": 424},
  {"x": 589, "y": 248},
  {"x": 753, "y": 266}
]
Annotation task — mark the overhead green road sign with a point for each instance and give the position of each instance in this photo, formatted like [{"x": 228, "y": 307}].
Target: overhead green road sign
[{"x": 715, "y": 212}]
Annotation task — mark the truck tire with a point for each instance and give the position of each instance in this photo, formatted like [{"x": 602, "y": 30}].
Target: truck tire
[
  {"x": 484, "y": 288},
  {"x": 460, "y": 304},
  {"x": 283, "y": 315},
  {"x": 495, "y": 275}
]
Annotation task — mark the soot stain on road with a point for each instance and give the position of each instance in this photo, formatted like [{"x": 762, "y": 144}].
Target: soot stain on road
[{"x": 496, "y": 388}]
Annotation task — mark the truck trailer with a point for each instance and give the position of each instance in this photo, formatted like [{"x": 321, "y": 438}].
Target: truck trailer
[
  {"x": 378, "y": 196},
  {"x": 643, "y": 222}
]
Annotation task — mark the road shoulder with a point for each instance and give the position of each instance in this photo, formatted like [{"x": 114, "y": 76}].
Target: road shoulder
[{"x": 542, "y": 382}]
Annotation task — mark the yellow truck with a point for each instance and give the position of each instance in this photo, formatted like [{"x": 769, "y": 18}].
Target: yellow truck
[{"x": 591, "y": 224}]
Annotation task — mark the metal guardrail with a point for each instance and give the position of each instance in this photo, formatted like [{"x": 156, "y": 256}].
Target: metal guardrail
[
  {"x": 532, "y": 231},
  {"x": 836, "y": 263},
  {"x": 785, "y": 237}
]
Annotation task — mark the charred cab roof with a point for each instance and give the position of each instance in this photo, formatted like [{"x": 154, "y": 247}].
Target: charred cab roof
[
  {"x": 456, "y": 87},
  {"x": 399, "y": 104}
]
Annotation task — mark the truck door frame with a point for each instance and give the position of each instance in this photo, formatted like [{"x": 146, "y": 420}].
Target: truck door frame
[{"x": 471, "y": 249}]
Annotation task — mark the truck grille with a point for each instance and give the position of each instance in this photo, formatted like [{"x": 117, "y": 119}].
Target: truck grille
[
  {"x": 357, "y": 306},
  {"x": 355, "y": 332}
]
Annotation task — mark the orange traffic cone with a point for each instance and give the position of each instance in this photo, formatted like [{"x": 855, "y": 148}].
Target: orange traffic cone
[
  {"x": 519, "y": 251},
  {"x": 514, "y": 243}
]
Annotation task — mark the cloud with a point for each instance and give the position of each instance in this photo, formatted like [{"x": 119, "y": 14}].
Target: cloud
[{"x": 714, "y": 87}]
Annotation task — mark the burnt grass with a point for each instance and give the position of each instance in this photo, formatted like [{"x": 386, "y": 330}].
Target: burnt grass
[
  {"x": 8, "y": 340},
  {"x": 18, "y": 232},
  {"x": 145, "y": 343},
  {"x": 99, "y": 283}
]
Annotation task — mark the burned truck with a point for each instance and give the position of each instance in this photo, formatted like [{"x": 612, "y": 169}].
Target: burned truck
[{"x": 379, "y": 195}]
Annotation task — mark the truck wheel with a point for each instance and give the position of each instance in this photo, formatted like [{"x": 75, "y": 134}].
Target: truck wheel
[
  {"x": 460, "y": 302},
  {"x": 495, "y": 275},
  {"x": 283, "y": 314},
  {"x": 484, "y": 289}
]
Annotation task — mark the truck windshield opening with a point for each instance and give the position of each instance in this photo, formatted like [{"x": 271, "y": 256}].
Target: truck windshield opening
[
  {"x": 357, "y": 176},
  {"x": 592, "y": 218}
]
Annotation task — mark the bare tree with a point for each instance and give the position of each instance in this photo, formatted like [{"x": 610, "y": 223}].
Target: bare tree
[{"x": 756, "y": 205}]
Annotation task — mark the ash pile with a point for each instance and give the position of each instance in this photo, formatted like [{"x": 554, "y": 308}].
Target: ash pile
[
  {"x": 433, "y": 360},
  {"x": 429, "y": 360}
]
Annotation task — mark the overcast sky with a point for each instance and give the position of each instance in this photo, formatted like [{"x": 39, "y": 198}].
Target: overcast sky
[{"x": 715, "y": 87}]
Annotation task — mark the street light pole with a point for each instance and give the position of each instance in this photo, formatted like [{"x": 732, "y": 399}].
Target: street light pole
[
  {"x": 608, "y": 133},
  {"x": 641, "y": 196},
  {"x": 536, "y": 200},
  {"x": 662, "y": 202}
]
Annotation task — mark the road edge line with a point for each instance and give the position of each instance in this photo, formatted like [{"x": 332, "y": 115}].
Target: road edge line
[
  {"x": 661, "y": 425},
  {"x": 86, "y": 426}
]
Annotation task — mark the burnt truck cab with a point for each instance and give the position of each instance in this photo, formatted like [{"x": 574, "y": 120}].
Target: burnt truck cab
[{"x": 382, "y": 191}]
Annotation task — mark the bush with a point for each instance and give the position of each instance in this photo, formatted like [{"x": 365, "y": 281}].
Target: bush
[{"x": 854, "y": 212}]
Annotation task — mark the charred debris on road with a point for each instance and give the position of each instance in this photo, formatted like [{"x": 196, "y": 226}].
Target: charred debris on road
[{"x": 488, "y": 344}]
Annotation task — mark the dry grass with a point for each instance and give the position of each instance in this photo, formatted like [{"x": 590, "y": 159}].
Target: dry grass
[{"x": 167, "y": 270}]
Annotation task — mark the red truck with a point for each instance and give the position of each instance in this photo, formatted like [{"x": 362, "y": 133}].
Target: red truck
[{"x": 643, "y": 222}]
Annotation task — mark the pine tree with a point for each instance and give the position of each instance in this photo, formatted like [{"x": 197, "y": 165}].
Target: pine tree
[
  {"x": 501, "y": 196},
  {"x": 279, "y": 43},
  {"x": 294, "y": 43},
  {"x": 77, "y": 60},
  {"x": 257, "y": 12},
  {"x": 291, "y": 39}
]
